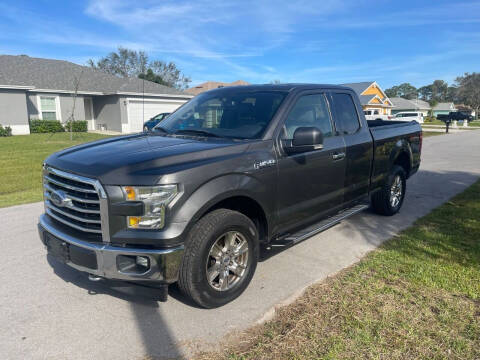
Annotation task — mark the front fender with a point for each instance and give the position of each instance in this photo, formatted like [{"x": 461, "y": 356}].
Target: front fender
[{"x": 221, "y": 188}]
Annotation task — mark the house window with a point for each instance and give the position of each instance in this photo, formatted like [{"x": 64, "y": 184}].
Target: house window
[{"x": 48, "y": 108}]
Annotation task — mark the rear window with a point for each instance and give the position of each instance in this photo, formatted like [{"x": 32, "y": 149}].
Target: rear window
[{"x": 346, "y": 117}]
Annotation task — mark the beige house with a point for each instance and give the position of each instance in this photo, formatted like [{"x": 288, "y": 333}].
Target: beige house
[{"x": 210, "y": 85}]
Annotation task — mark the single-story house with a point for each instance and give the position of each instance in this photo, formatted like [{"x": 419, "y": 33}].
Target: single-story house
[
  {"x": 372, "y": 97},
  {"x": 443, "y": 108},
  {"x": 35, "y": 88},
  {"x": 402, "y": 104},
  {"x": 209, "y": 85}
]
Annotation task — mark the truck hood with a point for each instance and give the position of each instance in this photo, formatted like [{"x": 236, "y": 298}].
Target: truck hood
[{"x": 142, "y": 159}]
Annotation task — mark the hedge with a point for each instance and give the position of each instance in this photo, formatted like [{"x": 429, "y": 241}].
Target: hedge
[
  {"x": 77, "y": 126},
  {"x": 5, "y": 131},
  {"x": 45, "y": 126}
]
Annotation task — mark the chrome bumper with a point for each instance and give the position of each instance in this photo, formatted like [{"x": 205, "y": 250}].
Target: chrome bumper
[{"x": 164, "y": 263}]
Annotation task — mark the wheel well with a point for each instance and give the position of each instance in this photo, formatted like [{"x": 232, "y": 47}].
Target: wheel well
[
  {"x": 249, "y": 208},
  {"x": 403, "y": 160}
]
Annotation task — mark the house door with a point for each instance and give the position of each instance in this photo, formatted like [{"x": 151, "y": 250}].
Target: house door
[{"x": 87, "y": 103}]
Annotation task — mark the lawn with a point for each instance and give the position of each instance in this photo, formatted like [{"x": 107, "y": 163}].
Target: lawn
[
  {"x": 432, "y": 133},
  {"x": 416, "y": 297},
  {"x": 21, "y": 158}
]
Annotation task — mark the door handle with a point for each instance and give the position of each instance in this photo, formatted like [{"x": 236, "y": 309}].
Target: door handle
[{"x": 338, "y": 156}]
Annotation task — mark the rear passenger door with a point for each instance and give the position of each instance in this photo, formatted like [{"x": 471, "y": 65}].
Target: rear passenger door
[
  {"x": 358, "y": 143},
  {"x": 310, "y": 184}
]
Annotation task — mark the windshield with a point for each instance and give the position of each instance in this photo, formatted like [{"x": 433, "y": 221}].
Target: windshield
[{"x": 239, "y": 114}]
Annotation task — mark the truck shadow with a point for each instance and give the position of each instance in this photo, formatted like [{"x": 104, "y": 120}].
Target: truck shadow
[{"x": 157, "y": 339}]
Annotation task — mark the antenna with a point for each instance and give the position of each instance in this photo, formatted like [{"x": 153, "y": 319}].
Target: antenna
[{"x": 143, "y": 103}]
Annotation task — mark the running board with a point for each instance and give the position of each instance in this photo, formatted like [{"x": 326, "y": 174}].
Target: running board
[{"x": 314, "y": 229}]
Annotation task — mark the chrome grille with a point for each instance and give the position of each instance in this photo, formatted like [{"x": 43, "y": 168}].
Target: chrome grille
[{"x": 75, "y": 201}]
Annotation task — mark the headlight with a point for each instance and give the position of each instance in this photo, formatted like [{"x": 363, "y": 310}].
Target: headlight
[{"x": 155, "y": 199}]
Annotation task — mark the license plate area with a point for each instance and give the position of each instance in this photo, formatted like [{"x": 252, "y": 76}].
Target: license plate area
[{"x": 59, "y": 249}]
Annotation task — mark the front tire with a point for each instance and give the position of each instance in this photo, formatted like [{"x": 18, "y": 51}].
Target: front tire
[
  {"x": 220, "y": 258},
  {"x": 389, "y": 199}
]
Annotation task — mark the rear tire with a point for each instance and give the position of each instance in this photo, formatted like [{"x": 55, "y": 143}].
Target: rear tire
[
  {"x": 389, "y": 199},
  {"x": 210, "y": 255}
]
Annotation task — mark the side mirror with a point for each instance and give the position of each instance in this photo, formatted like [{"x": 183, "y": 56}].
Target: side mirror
[{"x": 304, "y": 139}]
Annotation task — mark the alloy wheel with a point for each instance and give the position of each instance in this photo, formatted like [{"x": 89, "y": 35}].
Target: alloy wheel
[{"x": 227, "y": 261}]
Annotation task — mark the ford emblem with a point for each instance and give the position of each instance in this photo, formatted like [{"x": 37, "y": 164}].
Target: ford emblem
[{"x": 59, "y": 198}]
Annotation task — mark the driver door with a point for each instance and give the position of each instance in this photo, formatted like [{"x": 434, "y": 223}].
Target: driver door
[{"x": 310, "y": 184}]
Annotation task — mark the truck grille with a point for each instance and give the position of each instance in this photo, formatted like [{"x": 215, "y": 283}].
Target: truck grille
[{"x": 74, "y": 201}]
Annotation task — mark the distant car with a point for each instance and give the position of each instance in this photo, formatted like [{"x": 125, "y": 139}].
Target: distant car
[
  {"x": 409, "y": 116},
  {"x": 150, "y": 124},
  {"x": 374, "y": 114}
]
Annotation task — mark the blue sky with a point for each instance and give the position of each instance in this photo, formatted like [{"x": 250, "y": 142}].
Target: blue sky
[{"x": 328, "y": 41}]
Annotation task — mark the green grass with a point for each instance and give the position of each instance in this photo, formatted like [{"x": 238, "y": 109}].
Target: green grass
[
  {"x": 21, "y": 158},
  {"x": 432, "y": 133},
  {"x": 416, "y": 297},
  {"x": 434, "y": 122}
]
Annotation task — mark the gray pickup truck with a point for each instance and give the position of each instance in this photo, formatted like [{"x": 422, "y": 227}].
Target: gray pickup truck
[{"x": 233, "y": 169}]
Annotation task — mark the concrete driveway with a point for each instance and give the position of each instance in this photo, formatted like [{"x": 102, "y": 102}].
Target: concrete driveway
[{"x": 50, "y": 311}]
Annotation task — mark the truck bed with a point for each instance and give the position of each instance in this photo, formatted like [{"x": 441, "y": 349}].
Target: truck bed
[{"x": 391, "y": 137}]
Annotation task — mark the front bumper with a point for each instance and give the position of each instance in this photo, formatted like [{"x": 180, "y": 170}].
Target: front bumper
[{"x": 164, "y": 263}]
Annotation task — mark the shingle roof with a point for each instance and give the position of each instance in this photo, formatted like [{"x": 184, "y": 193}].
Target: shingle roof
[
  {"x": 444, "y": 106},
  {"x": 401, "y": 103},
  {"x": 359, "y": 87},
  {"x": 52, "y": 74},
  {"x": 365, "y": 99}
]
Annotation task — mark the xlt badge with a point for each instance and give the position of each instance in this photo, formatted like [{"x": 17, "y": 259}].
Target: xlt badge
[{"x": 264, "y": 163}]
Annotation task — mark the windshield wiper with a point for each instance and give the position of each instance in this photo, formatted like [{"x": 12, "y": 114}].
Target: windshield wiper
[
  {"x": 159, "y": 128},
  {"x": 196, "y": 132}
]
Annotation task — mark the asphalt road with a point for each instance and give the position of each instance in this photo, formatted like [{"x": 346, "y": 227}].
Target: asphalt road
[{"x": 48, "y": 310}]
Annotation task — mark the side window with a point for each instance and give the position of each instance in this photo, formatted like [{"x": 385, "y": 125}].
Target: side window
[
  {"x": 345, "y": 113},
  {"x": 309, "y": 110}
]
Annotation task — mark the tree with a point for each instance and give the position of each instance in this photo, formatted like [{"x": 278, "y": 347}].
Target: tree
[
  {"x": 439, "y": 90},
  {"x": 425, "y": 92},
  {"x": 469, "y": 90},
  {"x": 132, "y": 63},
  {"x": 405, "y": 90}
]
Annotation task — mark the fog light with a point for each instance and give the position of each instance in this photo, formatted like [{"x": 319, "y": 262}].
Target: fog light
[
  {"x": 132, "y": 264},
  {"x": 142, "y": 261}
]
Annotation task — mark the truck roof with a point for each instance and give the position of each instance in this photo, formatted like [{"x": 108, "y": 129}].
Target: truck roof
[{"x": 280, "y": 87}]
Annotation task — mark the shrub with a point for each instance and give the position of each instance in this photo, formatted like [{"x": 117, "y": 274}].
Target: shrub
[
  {"x": 429, "y": 119},
  {"x": 45, "y": 126},
  {"x": 77, "y": 126},
  {"x": 5, "y": 131}
]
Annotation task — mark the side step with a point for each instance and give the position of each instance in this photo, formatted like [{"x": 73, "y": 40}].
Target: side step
[{"x": 314, "y": 229}]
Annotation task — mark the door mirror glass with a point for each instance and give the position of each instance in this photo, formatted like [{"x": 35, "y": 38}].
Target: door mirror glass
[{"x": 304, "y": 139}]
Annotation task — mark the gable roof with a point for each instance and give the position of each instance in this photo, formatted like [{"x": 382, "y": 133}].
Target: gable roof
[
  {"x": 405, "y": 104},
  {"x": 59, "y": 75},
  {"x": 365, "y": 99},
  {"x": 210, "y": 85}
]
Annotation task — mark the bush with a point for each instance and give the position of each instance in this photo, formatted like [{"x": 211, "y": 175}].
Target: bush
[
  {"x": 5, "y": 131},
  {"x": 429, "y": 119},
  {"x": 77, "y": 126},
  {"x": 45, "y": 126}
]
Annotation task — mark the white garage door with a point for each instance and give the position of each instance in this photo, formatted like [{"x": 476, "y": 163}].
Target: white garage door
[{"x": 139, "y": 111}]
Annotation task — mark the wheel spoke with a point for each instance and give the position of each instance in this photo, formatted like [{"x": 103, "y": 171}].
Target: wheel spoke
[
  {"x": 216, "y": 252},
  {"x": 213, "y": 272},
  {"x": 230, "y": 240},
  {"x": 237, "y": 269},
  {"x": 240, "y": 249},
  {"x": 223, "y": 282}
]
